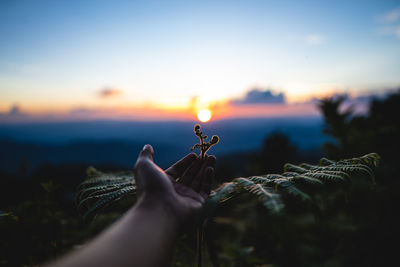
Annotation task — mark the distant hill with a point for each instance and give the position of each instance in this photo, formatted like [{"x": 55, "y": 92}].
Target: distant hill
[{"x": 119, "y": 142}]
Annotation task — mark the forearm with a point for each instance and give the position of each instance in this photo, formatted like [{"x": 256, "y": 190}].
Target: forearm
[{"x": 144, "y": 236}]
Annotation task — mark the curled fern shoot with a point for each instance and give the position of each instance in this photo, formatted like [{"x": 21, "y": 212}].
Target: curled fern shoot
[{"x": 204, "y": 146}]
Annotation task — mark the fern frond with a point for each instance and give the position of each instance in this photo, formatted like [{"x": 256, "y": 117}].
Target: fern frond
[
  {"x": 260, "y": 179},
  {"x": 307, "y": 166},
  {"x": 290, "y": 174},
  {"x": 288, "y": 167},
  {"x": 350, "y": 169},
  {"x": 101, "y": 189},
  {"x": 286, "y": 186},
  {"x": 269, "y": 199},
  {"x": 371, "y": 160},
  {"x": 107, "y": 199},
  {"x": 273, "y": 176},
  {"x": 222, "y": 193},
  {"x": 325, "y": 176},
  {"x": 87, "y": 202},
  {"x": 105, "y": 180},
  {"x": 305, "y": 180},
  {"x": 326, "y": 162}
]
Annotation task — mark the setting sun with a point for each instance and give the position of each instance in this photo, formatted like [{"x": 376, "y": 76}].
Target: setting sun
[{"x": 204, "y": 115}]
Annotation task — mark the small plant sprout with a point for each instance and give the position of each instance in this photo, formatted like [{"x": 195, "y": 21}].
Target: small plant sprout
[{"x": 204, "y": 146}]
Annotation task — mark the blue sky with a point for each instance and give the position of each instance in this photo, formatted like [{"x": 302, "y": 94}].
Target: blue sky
[{"x": 59, "y": 54}]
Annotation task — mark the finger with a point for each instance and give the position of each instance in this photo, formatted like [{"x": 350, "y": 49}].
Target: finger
[
  {"x": 212, "y": 160},
  {"x": 205, "y": 187},
  {"x": 147, "y": 152},
  {"x": 142, "y": 165},
  {"x": 192, "y": 171},
  {"x": 196, "y": 182},
  {"x": 150, "y": 177},
  {"x": 177, "y": 169}
]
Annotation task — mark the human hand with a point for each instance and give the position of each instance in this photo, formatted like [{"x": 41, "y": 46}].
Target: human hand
[{"x": 181, "y": 189}]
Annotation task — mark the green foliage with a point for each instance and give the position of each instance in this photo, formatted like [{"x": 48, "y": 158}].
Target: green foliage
[
  {"x": 102, "y": 190},
  {"x": 297, "y": 183},
  {"x": 378, "y": 130}
]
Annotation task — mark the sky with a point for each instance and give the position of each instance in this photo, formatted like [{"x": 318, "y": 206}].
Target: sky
[{"x": 169, "y": 59}]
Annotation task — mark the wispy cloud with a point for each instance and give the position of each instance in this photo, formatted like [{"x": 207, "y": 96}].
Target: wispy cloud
[
  {"x": 390, "y": 31},
  {"x": 390, "y": 23},
  {"x": 390, "y": 16},
  {"x": 109, "y": 92},
  {"x": 314, "y": 39},
  {"x": 258, "y": 96},
  {"x": 15, "y": 110},
  {"x": 14, "y": 113}
]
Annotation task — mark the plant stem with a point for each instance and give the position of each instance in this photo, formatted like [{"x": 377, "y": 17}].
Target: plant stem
[
  {"x": 203, "y": 152},
  {"x": 199, "y": 245}
]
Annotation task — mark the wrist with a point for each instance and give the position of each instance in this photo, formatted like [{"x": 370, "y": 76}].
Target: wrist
[{"x": 159, "y": 209}]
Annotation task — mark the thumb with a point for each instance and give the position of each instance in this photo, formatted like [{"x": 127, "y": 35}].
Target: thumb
[
  {"x": 147, "y": 174},
  {"x": 147, "y": 152}
]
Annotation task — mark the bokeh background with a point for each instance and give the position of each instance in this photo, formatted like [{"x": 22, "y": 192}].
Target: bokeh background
[{"x": 88, "y": 83}]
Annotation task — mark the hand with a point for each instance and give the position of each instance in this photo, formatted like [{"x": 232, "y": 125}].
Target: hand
[{"x": 182, "y": 189}]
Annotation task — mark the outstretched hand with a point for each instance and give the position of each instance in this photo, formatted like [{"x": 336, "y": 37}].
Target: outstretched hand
[
  {"x": 182, "y": 188},
  {"x": 145, "y": 235}
]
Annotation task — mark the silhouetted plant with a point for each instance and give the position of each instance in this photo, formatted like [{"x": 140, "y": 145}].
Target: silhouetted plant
[
  {"x": 204, "y": 146},
  {"x": 101, "y": 189}
]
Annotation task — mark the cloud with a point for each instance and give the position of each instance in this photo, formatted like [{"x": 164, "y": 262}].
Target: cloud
[
  {"x": 391, "y": 30},
  {"x": 314, "y": 39},
  {"x": 82, "y": 111},
  {"x": 391, "y": 19},
  {"x": 391, "y": 16},
  {"x": 15, "y": 110},
  {"x": 15, "y": 113},
  {"x": 109, "y": 92},
  {"x": 257, "y": 96}
]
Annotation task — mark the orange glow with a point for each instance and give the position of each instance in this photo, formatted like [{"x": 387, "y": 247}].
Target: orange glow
[
  {"x": 153, "y": 112},
  {"x": 204, "y": 115}
]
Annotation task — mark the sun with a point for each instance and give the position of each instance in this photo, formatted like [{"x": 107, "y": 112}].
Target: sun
[{"x": 204, "y": 115}]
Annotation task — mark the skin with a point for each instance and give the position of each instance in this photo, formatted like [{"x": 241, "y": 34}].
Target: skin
[{"x": 167, "y": 202}]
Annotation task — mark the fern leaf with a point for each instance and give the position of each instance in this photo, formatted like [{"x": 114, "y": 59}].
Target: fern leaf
[
  {"x": 87, "y": 202},
  {"x": 107, "y": 199},
  {"x": 290, "y": 174},
  {"x": 371, "y": 160},
  {"x": 222, "y": 193},
  {"x": 286, "y": 186},
  {"x": 269, "y": 199},
  {"x": 273, "y": 176},
  {"x": 326, "y": 162},
  {"x": 354, "y": 169},
  {"x": 260, "y": 179},
  {"x": 97, "y": 190},
  {"x": 305, "y": 180},
  {"x": 104, "y": 180},
  {"x": 307, "y": 166},
  {"x": 325, "y": 176},
  {"x": 288, "y": 167}
]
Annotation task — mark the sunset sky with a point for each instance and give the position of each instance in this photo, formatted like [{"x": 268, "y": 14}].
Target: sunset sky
[{"x": 169, "y": 59}]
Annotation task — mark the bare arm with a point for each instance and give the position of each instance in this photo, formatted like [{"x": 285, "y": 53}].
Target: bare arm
[{"x": 145, "y": 235}]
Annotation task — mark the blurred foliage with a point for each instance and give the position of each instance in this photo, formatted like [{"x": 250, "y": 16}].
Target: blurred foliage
[
  {"x": 355, "y": 224},
  {"x": 307, "y": 187}
]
